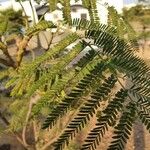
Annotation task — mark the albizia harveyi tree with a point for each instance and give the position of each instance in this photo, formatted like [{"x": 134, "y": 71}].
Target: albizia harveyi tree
[{"x": 82, "y": 76}]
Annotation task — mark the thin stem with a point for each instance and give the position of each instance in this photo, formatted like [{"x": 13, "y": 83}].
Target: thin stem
[
  {"x": 21, "y": 49},
  {"x": 7, "y": 63},
  {"x": 26, "y": 17},
  {"x": 4, "y": 119},
  {"x": 33, "y": 54},
  {"x": 22, "y": 8},
  {"x": 36, "y": 133},
  {"x": 51, "y": 142},
  {"x": 123, "y": 87},
  {"x": 20, "y": 140},
  {"x": 51, "y": 40},
  {"x": 33, "y": 12},
  {"x": 10, "y": 61},
  {"x": 26, "y": 123},
  {"x": 33, "y": 101},
  {"x": 41, "y": 18}
]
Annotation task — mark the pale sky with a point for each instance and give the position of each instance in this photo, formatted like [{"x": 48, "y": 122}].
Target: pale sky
[
  {"x": 125, "y": 1},
  {"x": 130, "y": 1},
  {"x": 3, "y": 0}
]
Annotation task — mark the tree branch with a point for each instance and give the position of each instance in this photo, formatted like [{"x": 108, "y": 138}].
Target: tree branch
[
  {"x": 4, "y": 119},
  {"x": 26, "y": 123},
  {"x": 33, "y": 101},
  {"x": 7, "y": 63},
  {"x": 4, "y": 49},
  {"x": 19, "y": 140},
  {"x": 26, "y": 17},
  {"x": 33, "y": 12},
  {"x": 21, "y": 49},
  {"x": 51, "y": 40},
  {"x": 36, "y": 133},
  {"x": 51, "y": 142}
]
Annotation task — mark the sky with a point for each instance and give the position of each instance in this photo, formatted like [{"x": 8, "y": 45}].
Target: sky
[
  {"x": 3, "y": 1},
  {"x": 125, "y": 1},
  {"x": 129, "y": 1}
]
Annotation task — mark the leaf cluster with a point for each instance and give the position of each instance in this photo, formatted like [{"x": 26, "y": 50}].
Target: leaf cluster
[{"x": 94, "y": 65}]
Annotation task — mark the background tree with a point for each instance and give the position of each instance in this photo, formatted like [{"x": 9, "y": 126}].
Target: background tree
[
  {"x": 139, "y": 14},
  {"x": 11, "y": 25},
  {"x": 11, "y": 21}
]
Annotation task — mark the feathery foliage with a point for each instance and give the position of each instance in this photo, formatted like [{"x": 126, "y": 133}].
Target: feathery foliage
[
  {"x": 53, "y": 5},
  {"x": 42, "y": 25},
  {"x": 11, "y": 21},
  {"x": 123, "y": 28},
  {"x": 85, "y": 112},
  {"x": 122, "y": 58},
  {"x": 124, "y": 128},
  {"x": 92, "y": 8},
  {"x": 106, "y": 54},
  {"x": 78, "y": 73},
  {"x": 67, "y": 11},
  {"x": 109, "y": 116}
]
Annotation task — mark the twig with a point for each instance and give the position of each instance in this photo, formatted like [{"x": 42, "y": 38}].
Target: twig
[
  {"x": 51, "y": 142},
  {"x": 33, "y": 54},
  {"x": 36, "y": 133},
  {"x": 51, "y": 40},
  {"x": 41, "y": 18},
  {"x": 7, "y": 63},
  {"x": 4, "y": 119},
  {"x": 4, "y": 49},
  {"x": 26, "y": 123},
  {"x": 123, "y": 88},
  {"x": 21, "y": 49},
  {"x": 26, "y": 17},
  {"x": 33, "y": 101},
  {"x": 20, "y": 140},
  {"x": 33, "y": 12}
]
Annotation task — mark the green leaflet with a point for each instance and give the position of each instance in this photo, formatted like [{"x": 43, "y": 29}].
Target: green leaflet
[
  {"x": 85, "y": 112},
  {"x": 92, "y": 8},
  {"x": 145, "y": 119},
  {"x": 57, "y": 68},
  {"x": 143, "y": 111},
  {"x": 50, "y": 53},
  {"x": 124, "y": 128},
  {"x": 123, "y": 28},
  {"x": 4, "y": 74},
  {"x": 107, "y": 119},
  {"x": 68, "y": 80},
  {"x": 76, "y": 92},
  {"x": 42, "y": 25},
  {"x": 93, "y": 12},
  {"x": 67, "y": 86},
  {"x": 67, "y": 11},
  {"x": 52, "y": 5},
  {"x": 28, "y": 72},
  {"x": 86, "y": 3}
]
